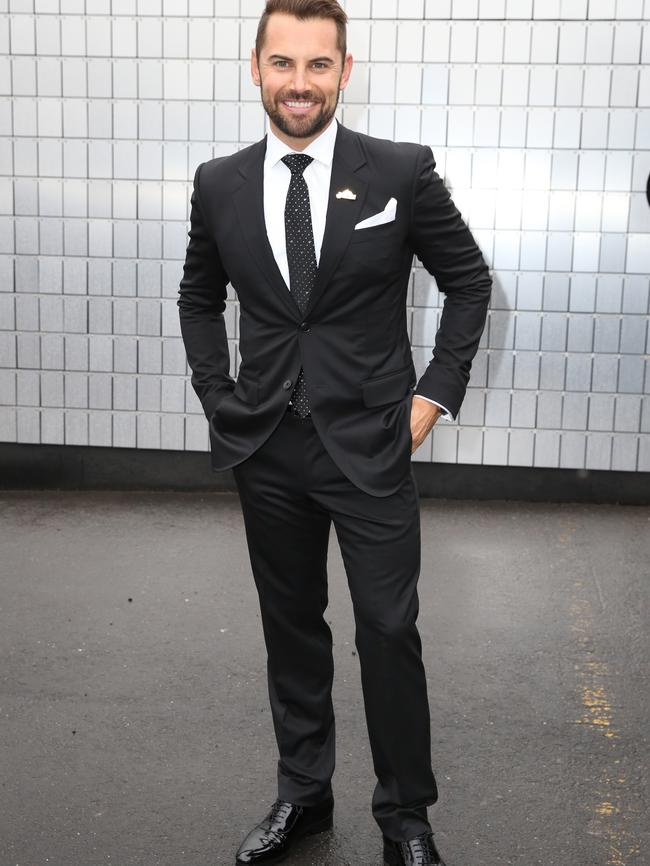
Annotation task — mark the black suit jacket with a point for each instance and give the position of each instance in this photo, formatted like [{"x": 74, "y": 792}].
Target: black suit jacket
[{"x": 352, "y": 341}]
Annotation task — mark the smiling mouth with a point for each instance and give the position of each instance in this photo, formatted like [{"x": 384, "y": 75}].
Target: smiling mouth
[{"x": 299, "y": 105}]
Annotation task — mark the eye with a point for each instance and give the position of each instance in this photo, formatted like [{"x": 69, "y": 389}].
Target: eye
[
  {"x": 281, "y": 64},
  {"x": 319, "y": 65}
]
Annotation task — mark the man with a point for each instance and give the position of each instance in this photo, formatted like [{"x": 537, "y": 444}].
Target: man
[{"x": 316, "y": 227}]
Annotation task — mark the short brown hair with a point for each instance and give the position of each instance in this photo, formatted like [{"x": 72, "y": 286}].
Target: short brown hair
[{"x": 303, "y": 9}]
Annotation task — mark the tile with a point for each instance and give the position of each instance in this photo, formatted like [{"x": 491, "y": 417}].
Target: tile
[
  {"x": 196, "y": 434},
  {"x": 599, "y": 451},
  {"x": 601, "y": 412},
  {"x": 609, "y": 294},
  {"x": 627, "y": 417},
  {"x": 410, "y": 40},
  {"x": 463, "y": 42},
  {"x": 638, "y": 254},
  {"x": 495, "y": 447},
  {"x": 148, "y": 430},
  {"x": 472, "y": 412},
  {"x": 622, "y": 124},
  {"x": 445, "y": 443},
  {"x": 490, "y": 42},
  {"x": 580, "y": 333},
  {"x": 75, "y": 390},
  {"x": 602, "y": 9},
  {"x": 544, "y": 42},
  {"x": 76, "y": 348},
  {"x": 554, "y": 332},
  {"x": 607, "y": 330},
  {"x": 124, "y": 430},
  {"x": 148, "y": 393},
  {"x": 528, "y": 331},
  {"x": 501, "y": 327},
  {"x": 605, "y": 373},
  {"x": 631, "y": 371},
  {"x": 527, "y": 370},
  {"x": 575, "y": 411},
  {"x": 521, "y": 448},
  {"x": 549, "y": 410},
  {"x": 524, "y": 409},
  {"x": 470, "y": 445},
  {"x": 573, "y": 448},
  {"x": 612, "y": 253},
  {"x": 625, "y": 453},
  {"x": 572, "y": 42},
  {"x": 383, "y": 42},
  {"x": 100, "y": 391},
  {"x": 488, "y": 86},
  {"x": 517, "y": 43},
  {"x": 595, "y": 124},
  {"x": 634, "y": 331},
  {"x": 437, "y": 41},
  {"x": 172, "y": 429},
  {"x": 547, "y": 448},
  {"x": 542, "y": 88},
  {"x": 626, "y": 83},
  {"x": 578, "y": 373},
  {"x": 172, "y": 397},
  {"x": 500, "y": 369}
]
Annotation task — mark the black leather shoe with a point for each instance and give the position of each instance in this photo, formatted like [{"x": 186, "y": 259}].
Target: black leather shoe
[
  {"x": 419, "y": 851},
  {"x": 271, "y": 839}
]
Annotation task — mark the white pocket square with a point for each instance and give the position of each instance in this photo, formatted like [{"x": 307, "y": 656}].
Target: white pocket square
[{"x": 386, "y": 216}]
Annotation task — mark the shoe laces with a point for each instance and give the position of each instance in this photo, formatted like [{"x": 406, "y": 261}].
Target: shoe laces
[
  {"x": 280, "y": 809},
  {"x": 422, "y": 849}
]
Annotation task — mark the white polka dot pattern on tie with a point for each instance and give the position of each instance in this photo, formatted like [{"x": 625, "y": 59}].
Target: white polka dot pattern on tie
[{"x": 301, "y": 254}]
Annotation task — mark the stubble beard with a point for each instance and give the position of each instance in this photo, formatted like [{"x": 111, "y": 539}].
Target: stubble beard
[{"x": 299, "y": 127}]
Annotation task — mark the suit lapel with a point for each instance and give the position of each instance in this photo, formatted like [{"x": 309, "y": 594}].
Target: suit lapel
[
  {"x": 342, "y": 214},
  {"x": 249, "y": 204}
]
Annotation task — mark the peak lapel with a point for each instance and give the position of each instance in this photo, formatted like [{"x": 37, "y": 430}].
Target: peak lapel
[
  {"x": 342, "y": 213},
  {"x": 249, "y": 204}
]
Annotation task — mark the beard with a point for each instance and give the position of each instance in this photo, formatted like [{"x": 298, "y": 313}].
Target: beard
[{"x": 296, "y": 126}]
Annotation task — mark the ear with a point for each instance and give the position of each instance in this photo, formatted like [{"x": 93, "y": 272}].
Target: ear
[
  {"x": 347, "y": 69},
  {"x": 255, "y": 69}
]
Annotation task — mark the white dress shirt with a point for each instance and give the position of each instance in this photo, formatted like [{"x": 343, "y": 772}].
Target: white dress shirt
[{"x": 318, "y": 173}]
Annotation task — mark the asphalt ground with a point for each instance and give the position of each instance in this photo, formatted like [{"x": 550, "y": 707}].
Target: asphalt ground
[{"x": 134, "y": 720}]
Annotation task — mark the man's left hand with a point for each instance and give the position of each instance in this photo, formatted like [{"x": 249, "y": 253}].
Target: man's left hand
[{"x": 423, "y": 416}]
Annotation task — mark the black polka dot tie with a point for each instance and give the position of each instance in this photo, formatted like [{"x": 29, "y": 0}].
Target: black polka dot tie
[{"x": 301, "y": 254}]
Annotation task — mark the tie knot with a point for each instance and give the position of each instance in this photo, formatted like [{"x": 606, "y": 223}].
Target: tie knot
[{"x": 297, "y": 162}]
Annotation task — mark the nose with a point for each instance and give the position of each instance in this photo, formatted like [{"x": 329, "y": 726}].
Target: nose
[{"x": 300, "y": 80}]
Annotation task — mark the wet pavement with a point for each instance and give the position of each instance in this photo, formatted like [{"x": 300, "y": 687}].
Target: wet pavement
[{"x": 134, "y": 719}]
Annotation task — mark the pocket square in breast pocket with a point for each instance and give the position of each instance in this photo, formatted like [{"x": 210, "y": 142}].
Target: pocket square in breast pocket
[{"x": 386, "y": 216}]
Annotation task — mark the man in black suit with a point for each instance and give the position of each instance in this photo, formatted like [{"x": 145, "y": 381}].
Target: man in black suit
[{"x": 315, "y": 227}]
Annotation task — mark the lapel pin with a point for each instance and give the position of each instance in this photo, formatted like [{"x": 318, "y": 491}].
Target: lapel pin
[{"x": 347, "y": 194}]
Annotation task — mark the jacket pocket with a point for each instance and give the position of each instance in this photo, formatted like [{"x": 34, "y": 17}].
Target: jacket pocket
[{"x": 388, "y": 388}]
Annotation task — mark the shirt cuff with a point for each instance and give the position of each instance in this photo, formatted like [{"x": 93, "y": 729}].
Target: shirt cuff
[{"x": 446, "y": 414}]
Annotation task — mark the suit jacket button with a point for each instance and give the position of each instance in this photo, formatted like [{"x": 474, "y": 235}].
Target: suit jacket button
[
  {"x": 287, "y": 384},
  {"x": 305, "y": 326}
]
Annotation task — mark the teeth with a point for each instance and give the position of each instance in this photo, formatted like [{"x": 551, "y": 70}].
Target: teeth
[{"x": 300, "y": 104}]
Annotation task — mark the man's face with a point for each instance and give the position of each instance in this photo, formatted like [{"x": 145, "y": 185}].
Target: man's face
[{"x": 300, "y": 71}]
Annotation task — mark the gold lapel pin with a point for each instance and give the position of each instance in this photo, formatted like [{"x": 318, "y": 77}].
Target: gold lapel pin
[{"x": 346, "y": 194}]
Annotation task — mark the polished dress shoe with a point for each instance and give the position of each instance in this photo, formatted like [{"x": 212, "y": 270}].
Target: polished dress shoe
[
  {"x": 419, "y": 851},
  {"x": 271, "y": 839}
]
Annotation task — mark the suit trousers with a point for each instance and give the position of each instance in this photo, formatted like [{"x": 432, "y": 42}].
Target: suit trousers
[{"x": 291, "y": 492}]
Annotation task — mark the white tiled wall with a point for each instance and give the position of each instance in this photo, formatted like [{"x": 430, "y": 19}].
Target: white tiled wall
[{"x": 538, "y": 113}]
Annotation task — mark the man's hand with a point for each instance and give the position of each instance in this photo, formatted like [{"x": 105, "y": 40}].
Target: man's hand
[{"x": 423, "y": 416}]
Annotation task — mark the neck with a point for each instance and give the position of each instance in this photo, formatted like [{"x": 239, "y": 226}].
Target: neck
[{"x": 298, "y": 144}]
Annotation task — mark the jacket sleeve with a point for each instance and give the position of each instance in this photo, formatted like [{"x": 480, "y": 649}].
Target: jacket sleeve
[
  {"x": 445, "y": 246},
  {"x": 202, "y": 301}
]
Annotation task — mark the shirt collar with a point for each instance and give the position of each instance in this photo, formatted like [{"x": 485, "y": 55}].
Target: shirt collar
[{"x": 321, "y": 149}]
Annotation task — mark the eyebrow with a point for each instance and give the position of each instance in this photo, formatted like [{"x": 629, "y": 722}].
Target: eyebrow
[{"x": 312, "y": 60}]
